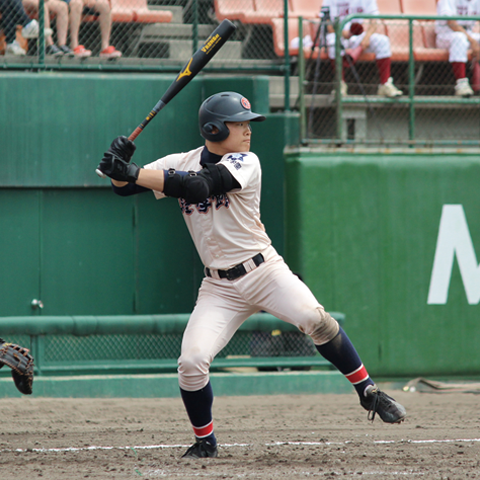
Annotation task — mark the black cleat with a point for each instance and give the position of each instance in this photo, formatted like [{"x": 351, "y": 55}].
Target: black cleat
[
  {"x": 201, "y": 449},
  {"x": 375, "y": 401}
]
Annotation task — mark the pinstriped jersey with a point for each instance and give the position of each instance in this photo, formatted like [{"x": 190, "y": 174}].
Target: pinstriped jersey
[
  {"x": 226, "y": 229},
  {"x": 464, "y": 8},
  {"x": 343, "y": 8}
]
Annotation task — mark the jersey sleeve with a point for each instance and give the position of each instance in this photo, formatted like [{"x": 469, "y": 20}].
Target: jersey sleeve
[
  {"x": 165, "y": 163},
  {"x": 372, "y": 8},
  {"x": 244, "y": 167},
  {"x": 446, "y": 8}
]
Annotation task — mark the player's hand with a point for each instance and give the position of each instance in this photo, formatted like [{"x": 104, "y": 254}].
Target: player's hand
[
  {"x": 365, "y": 42},
  {"x": 123, "y": 148},
  {"x": 118, "y": 169}
]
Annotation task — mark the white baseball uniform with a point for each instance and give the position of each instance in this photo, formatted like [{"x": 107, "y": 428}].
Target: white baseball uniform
[
  {"x": 227, "y": 231},
  {"x": 379, "y": 44},
  {"x": 456, "y": 42}
]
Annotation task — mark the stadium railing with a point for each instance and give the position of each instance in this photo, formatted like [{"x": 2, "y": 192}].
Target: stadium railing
[{"x": 80, "y": 345}]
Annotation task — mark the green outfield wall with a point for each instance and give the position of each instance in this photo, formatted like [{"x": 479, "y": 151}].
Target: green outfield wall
[
  {"x": 390, "y": 239},
  {"x": 65, "y": 238}
]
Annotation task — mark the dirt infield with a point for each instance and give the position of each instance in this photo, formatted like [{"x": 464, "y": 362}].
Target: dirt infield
[{"x": 324, "y": 436}]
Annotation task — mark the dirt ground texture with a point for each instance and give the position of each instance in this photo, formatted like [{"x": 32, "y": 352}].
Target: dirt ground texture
[{"x": 324, "y": 436}]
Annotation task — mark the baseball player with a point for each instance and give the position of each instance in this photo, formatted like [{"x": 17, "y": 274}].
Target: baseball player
[
  {"x": 457, "y": 37},
  {"x": 355, "y": 35},
  {"x": 218, "y": 190}
]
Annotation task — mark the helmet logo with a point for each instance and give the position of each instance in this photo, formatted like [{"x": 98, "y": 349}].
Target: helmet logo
[{"x": 245, "y": 103}]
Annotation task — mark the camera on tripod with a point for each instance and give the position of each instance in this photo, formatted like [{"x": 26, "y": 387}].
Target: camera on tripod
[{"x": 325, "y": 14}]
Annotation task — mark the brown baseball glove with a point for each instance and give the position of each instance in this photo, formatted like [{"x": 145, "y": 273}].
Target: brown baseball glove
[{"x": 21, "y": 363}]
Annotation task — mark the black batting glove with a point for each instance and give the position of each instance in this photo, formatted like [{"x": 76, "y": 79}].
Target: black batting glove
[
  {"x": 123, "y": 148},
  {"x": 118, "y": 169}
]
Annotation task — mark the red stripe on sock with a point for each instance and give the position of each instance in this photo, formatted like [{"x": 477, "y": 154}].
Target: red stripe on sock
[
  {"x": 201, "y": 432},
  {"x": 358, "y": 375}
]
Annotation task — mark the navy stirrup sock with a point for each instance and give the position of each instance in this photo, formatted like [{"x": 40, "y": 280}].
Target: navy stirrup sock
[
  {"x": 199, "y": 409},
  {"x": 342, "y": 354}
]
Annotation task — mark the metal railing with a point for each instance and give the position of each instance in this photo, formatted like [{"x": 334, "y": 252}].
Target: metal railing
[{"x": 76, "y": 345}]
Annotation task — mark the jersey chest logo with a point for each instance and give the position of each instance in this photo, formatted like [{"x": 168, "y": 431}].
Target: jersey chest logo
[{"x": 215, "y": 201}]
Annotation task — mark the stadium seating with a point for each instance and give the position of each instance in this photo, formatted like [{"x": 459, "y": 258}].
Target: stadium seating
[
  {"x": 233, "y": 9},
  {"x": 390, "y": 7},
  {"x": 265, "y": 11},
  {"x": 141, "y": 12},
  {"x": 305, "y": 8},
  {"x": 278, "y": 36},
  {"x": 419, "y": 7}
]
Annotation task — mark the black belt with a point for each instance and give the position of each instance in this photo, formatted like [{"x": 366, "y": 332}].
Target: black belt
[{"x": 238, "y": 270}]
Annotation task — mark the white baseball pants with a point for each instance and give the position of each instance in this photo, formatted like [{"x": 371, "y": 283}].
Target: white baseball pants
[
  {"x": 457, "y": 44},
  {"x": 223, "y": 305}
]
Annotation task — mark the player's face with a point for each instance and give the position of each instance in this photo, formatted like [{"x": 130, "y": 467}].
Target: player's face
[{"x": 239, "y": 138}]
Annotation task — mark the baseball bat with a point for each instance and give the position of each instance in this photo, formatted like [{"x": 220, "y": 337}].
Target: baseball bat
[{"x": 196, "y": 63}]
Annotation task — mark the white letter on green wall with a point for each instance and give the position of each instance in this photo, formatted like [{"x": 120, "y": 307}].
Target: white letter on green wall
[{"x": 454, "y": 239}]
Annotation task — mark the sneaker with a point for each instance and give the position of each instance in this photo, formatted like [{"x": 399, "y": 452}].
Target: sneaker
[
  {"x": 201, "y": 449},
  {"x": 81, "y": 52},
  {"x": 30, "y": 30},
  {"x": 462, "y": 88},
  {"x": 343, "y": 89},
  {"x": 67, "y": 51},
  {"x": 389, "y": 90},
  {"x": 375, "y": 401},
  {"x": 14, "y": 48},
  {"x": 110, "y": 52},
  {"x": 54, "y": 51}
]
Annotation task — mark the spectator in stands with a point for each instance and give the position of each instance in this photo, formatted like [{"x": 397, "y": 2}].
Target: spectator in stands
[
  {"x": 102, "y": 7},
  {"x": 13, "y": 14},
  {"x": 457, "y": 37},
  {"x": 355, "y": 35}
]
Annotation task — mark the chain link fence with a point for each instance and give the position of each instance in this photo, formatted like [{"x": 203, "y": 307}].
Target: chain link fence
[
  {"x": 135, "y": 34},
  {"x": 428, "y": 100}
]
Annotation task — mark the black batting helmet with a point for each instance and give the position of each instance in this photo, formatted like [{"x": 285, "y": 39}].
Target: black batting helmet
[{"x": 224, "y": 107}]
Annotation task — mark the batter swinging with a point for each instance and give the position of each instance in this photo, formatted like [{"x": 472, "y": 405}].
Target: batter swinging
[{"x": 218, "y": 187}]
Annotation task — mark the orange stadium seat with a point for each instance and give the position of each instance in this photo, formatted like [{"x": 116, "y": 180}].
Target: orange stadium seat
[
  {"x": 419, "y": 7},
  {"x": 305, "y": 8},
  {"x": 278, "y": 38},
  {"x": 233, "y": 9},
  {"x": 389, "y": 7},
  {"x": 398, "y": 32},
  {"x": 140, "y": 11},
  {"x": 265, "y": 11}
]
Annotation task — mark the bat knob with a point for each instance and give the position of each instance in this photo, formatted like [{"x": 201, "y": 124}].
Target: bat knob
[{"x": 100, "y": 173}]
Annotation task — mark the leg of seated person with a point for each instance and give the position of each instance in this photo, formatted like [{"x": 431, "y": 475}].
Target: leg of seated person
[
  {"x": 457, "y": 45},
  {"x": 105, "y": 19},
  {"x": 380, "y": 46},
  {"x": 76, "y": 10},
  {"x": 60, "y": 9}
]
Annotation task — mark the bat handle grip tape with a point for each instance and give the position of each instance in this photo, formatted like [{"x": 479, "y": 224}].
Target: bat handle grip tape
[
  {"x": 100, "y": 173},
  {"x": 135, "y": 133}
]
